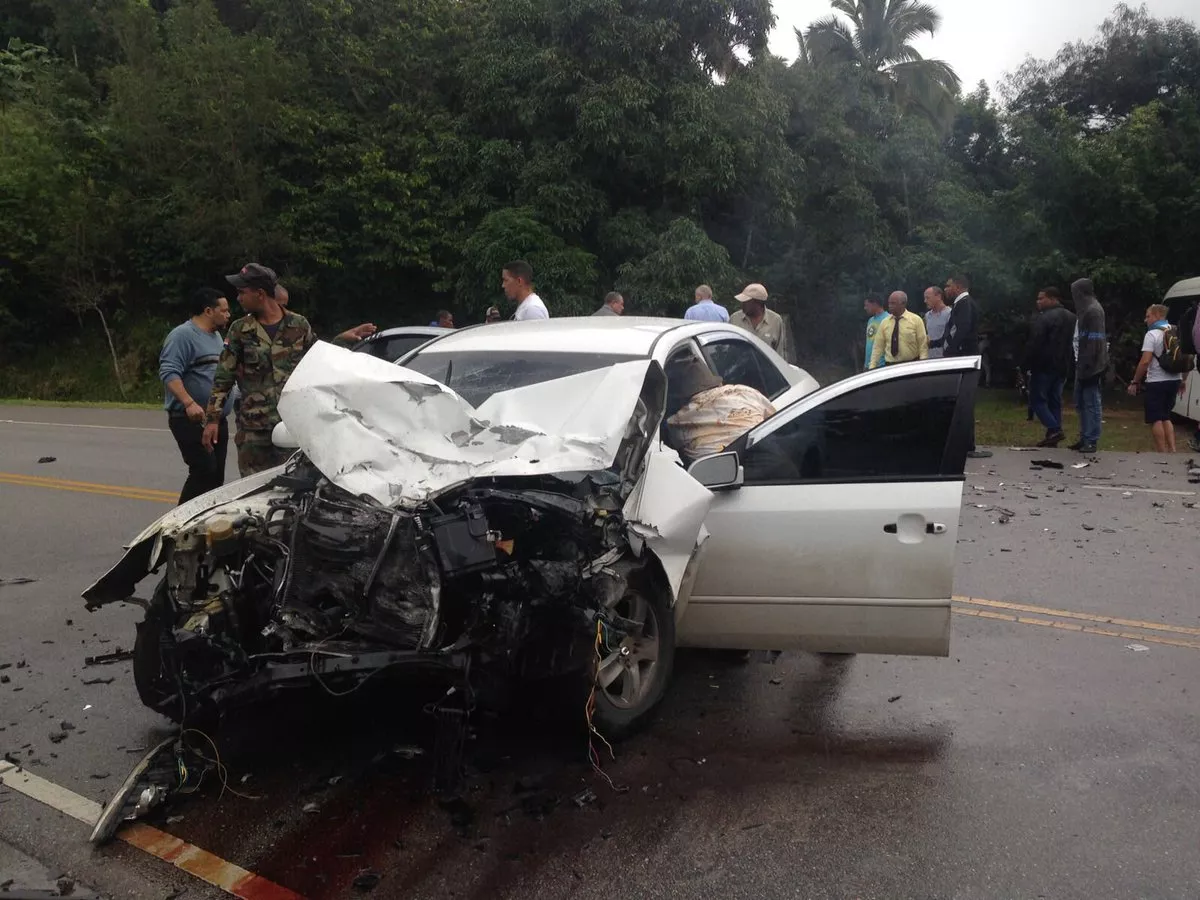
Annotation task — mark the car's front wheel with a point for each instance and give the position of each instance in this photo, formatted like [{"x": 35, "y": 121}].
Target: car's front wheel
[{"x": 632, "y": 672}]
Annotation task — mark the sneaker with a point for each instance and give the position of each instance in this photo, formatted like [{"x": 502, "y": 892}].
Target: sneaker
[
  {"x": 978, "y": 454},
  {"x": 1194, "y": 444}
]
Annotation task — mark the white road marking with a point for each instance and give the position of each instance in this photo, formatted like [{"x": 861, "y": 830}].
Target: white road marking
[
  {"x": 76, "y": 425},
  {"x": 55, "y": 796}
]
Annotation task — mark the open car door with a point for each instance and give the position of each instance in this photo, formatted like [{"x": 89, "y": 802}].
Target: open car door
[{"x": 836, "y": 530}]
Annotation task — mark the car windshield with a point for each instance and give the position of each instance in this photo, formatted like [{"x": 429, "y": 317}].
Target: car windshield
[{"x": 477, "y": 375}]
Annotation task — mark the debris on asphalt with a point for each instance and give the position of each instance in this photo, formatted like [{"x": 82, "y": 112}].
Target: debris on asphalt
[
  {"x": 1189, "y": 504},
  {"x": 367, "y": 880},
  {"x": 14, "y": 581},
  {"x": 66, "y": 886},
  {"x": 1137, "y": 648},
  {"x": 895, "y": 698},
  {"x": 104, "y": 659},
  {"x": 66, "y": 726},
  {"x": 4, "y": 679},
  {"x": 99, "y": 776},
  {"x": 1045, "y": 464},
  {"x": 334, "y": 780},
  {"x": 1158, "y": 504},
  {"x": 776, "y": 681},
  {"x": 47, "y": 459},
  {"x": 57, "y": 737},
  {"x": 1082, "y": 465},
  {"x": 584, "y": 798},
  {"x": 405, "y": 751},
  {"x": 312, "y": 808},
  {"x": 1089, "y": 527}
]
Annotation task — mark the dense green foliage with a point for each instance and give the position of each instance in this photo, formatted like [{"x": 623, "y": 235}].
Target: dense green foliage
[{"x": 386, "y": 157}]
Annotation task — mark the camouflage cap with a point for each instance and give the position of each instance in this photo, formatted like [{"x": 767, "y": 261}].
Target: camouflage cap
[{"x": 255, "y": 276}]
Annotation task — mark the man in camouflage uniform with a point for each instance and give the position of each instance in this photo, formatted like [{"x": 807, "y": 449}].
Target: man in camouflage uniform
[{"x": 262, "y": 350}]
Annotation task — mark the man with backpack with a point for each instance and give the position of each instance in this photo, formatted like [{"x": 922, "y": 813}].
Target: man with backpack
[{"x": 1159, "y": 373}]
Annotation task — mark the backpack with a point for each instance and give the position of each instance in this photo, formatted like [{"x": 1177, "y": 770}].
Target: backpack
[
  {"x": 1173, "y": 359},
  {"x": 1187, "y": 327}
]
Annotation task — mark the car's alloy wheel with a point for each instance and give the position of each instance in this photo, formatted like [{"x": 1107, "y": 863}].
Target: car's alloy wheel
[{"x": 632, "y": 673}]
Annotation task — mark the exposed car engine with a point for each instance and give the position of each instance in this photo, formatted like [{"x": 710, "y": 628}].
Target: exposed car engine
[{"x": 507, "y": 580}]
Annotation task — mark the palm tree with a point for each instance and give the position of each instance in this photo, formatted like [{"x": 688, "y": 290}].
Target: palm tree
[{"x": 878, "y": 41}]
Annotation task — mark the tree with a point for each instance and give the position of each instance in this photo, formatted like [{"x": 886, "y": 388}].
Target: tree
[
  {"x": 662, "y": 282},
  {"x": 878, "y": 43}
]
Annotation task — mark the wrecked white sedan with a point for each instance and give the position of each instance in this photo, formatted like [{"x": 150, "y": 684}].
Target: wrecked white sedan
[{"x": 504, "y": 508}]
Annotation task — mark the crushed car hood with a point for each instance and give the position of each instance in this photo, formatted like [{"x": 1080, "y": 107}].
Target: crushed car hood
[{"x": 380, "y": 430}]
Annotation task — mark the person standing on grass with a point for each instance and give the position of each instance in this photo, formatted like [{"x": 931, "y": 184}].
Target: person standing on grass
[
  {"x": 873, "y": 307},
  {"x": 901, "y": 337},
  {"x": 516, "y": 280},
  {"x": 962, "y": 336},
  {"x": 1160, "y": 387},
  {"x": 937, "y": 319},
  {"x": 1048, "y": 360},
  {"x": 1091, "y": 361},
  {"x": 614, "y": 305},
  {"x": 704, "y": 309},
  {"x": 766, "y": 323},
  {"x": 186, "y": 365}
]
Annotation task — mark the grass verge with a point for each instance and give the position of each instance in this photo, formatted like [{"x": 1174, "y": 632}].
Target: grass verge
[
  {"x": 1000, "y": 421},
  {"x": 77, "y": 404}
]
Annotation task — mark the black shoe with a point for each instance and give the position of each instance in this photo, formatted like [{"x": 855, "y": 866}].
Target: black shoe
[
  {"x": 1052, "y": 439},
  {"x": 979, "y": 454},
  {"x": 1086, "y": 448},
  {"x": 1078, "y": 445}
]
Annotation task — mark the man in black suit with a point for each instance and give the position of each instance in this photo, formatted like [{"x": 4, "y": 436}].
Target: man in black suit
[{"x": 962, "y": 335}]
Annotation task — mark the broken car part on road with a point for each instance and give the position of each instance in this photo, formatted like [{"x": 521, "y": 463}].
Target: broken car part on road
[{"x": 524, "y": 540}]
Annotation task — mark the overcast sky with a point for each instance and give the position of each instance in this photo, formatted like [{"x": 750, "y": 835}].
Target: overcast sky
[{"x": 986, "y": 40}]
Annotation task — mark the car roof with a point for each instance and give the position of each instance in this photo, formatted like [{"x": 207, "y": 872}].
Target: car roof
[
  {"x": 616, "y": 335},
  {"x": 1189, "y": 287}
]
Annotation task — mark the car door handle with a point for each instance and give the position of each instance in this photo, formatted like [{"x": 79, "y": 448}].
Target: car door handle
[{"x": 930, "y": 528}]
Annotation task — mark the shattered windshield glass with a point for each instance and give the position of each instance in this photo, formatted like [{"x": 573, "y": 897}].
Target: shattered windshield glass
[{"x": 476, "y": 376}]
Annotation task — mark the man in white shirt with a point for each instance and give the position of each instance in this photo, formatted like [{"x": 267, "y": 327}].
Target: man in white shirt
[
  {"x": 1159, "y": 385},
  {"x": 516, "y": 279}
]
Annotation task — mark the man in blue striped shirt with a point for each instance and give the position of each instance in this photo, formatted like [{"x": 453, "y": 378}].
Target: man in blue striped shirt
[{"x": 704, "y": 310}]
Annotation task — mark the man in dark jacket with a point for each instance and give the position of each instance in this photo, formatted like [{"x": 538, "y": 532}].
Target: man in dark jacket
[
  {"x": 1048, "y": 359},
  {"x": 1091, "y": 361},
  {"x": 962, "y": 336}
]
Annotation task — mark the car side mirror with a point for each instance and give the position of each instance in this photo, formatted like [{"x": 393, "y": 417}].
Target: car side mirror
[
  {"x": 722, "y": 470},
  {"x": 282, "y": 438}
]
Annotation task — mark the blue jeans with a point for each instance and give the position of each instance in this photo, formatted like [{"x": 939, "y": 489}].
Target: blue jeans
[
  {"x": 1045, "y": 398},
  {"x": 1087, "y": 401}
]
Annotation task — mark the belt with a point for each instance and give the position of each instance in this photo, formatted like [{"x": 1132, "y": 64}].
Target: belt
[{"x": 939, "y": 342}]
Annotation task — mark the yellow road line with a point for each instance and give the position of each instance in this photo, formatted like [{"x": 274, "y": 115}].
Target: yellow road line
[
  {"x": 1087, "y": 617},
  {"x": 85, "y": 487},
  {"x": 1074, "y": 626}
]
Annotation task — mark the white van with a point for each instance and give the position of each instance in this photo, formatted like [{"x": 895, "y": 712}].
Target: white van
[{"x": 1182, "y": 295}]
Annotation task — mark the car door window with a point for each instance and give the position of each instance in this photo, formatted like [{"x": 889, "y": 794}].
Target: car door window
[
  {"x": 740, "y": 362},
  {"x": 903, "y": 429}
]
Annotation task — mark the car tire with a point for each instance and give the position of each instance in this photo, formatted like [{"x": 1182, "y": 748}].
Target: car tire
[
  {"x": 155, "y": 685},
  {"x": 625, "y": 703}
]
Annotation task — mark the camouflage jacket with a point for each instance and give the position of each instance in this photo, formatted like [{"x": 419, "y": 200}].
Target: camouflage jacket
[{"x": 259, "y": 366}]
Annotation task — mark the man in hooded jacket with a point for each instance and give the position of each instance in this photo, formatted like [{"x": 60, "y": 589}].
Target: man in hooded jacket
[{"x": 1091, "y": 361}]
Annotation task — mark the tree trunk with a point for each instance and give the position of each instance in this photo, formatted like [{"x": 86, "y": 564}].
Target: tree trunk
[{"x": 111, "y": 349}]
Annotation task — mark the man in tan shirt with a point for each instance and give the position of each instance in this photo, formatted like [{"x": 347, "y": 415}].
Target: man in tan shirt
[{"x": 767, "y": 324}]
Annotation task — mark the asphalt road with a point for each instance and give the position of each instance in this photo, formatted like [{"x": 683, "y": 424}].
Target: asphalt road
[{"x": 1046, "y": 757}]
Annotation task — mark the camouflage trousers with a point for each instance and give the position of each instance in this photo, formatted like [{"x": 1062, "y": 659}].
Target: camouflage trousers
[{"x": 255, "y": 452}]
